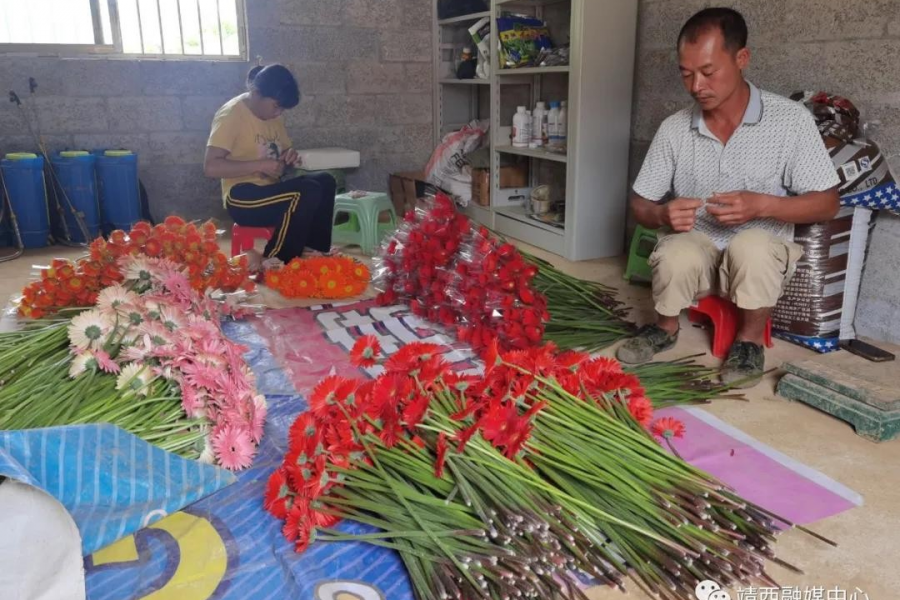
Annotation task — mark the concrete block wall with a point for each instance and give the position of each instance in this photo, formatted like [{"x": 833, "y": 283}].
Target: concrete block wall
[
  {"x": 365, "y": 74},
  {"x": 848, "y": 48}
]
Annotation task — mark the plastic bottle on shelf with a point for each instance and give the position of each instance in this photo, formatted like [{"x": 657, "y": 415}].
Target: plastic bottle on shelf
[
  {"x": 539, "y": 126},
  {"x": 521, "y": 128},
  {"x": 553, "y": 127},
  {"x": 563, "y": 133}
]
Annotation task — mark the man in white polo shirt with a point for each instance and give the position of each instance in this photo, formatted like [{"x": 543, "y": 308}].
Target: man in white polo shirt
[{"x": 725, "y": 181}]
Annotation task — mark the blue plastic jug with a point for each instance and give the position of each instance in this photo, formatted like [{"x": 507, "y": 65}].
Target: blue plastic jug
[
  {"x": 23, "y": 176},
  {"x": 76, "y": 182},
  {"x": 120, "y": 195}
]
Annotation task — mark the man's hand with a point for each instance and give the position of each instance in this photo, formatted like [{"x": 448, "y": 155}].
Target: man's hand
[
  {"x": 681, "y": 213},
  {"x": 292, "y": 158},
  {"x": 736, "y": 208},
  {"x": 271, "y": 168}
]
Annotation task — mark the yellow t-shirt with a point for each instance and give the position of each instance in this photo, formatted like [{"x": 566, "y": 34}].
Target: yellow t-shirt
[{"x": 247, "y": 137}]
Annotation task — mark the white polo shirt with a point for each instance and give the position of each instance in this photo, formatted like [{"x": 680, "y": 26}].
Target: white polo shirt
[{"x": 776, "y": 150}]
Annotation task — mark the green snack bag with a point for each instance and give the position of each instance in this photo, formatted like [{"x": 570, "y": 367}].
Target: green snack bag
[{"x": 521, "y": 40}]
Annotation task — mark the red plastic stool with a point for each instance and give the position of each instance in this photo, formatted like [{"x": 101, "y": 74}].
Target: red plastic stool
[
  {"x": 243, "y": 238},
  {"x": 724, "y": 317}
]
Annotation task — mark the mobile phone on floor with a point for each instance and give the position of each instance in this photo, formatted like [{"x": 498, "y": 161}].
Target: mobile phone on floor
[{"x": 867, "y": 351}]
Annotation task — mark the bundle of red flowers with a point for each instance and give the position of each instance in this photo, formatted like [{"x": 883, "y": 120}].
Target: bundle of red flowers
[
  {"x": 462, "y": 278},
  {"x": 415, "y": 265},
  {"x": 493, "y": 295},
  {"x": 347, "y": 417},
  {"x": 330, "y": 277},
  {"x": 76, "y": 283}
]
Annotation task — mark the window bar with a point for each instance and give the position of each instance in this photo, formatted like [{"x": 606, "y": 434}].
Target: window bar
[
  {"x": 162, "y": 37},
  {"x": 98, "y": 24},
  {"x": 115, "y": 25},
  {"x": 200, "y": 25},
  {"x": 137, "y": 7},
  {"x": 180, "y": 28},
  {"x": 219, "y": 27}
]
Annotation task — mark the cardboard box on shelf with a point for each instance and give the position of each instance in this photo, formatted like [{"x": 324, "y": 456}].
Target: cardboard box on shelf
[
  {"x": 514, "y": 176},
  {"x": 406, "y": 189}
]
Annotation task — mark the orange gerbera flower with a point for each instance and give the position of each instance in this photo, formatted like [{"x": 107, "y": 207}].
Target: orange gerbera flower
[
  {"x": 330, "y": 284},
  {"x": 208, "y": 231},
  {"x": 360, "y": 271},
  {"x": 344, "y": 264},
  {"x": 153, "y": 247},
  {"x": 323, "y": 265},
  {"x": 273, "y": 279},
  {"x": 65, "y": 272},
  {"x": 75, "y": 284},
  {"x": 91, "y": 269},
  {"x": 305, "y": 285},
  {"x": 141, "y": 227},
  {"x": 174, "y": 223}
]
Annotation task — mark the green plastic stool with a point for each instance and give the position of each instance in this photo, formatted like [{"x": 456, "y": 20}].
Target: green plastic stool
[
  {"x": 642, "y": 245},
  {"x": 363, "y": 228}
]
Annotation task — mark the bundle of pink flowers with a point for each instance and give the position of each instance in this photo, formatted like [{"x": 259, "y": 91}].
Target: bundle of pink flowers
[{"x": 154, "y": 325}]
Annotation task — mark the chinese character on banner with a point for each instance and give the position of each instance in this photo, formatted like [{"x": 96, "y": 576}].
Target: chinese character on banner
[
  {"x": 769, "y": 593},
  {"x": 814, "y": 593},
  {"x": 791, "y": 593},
  {"x": 837, "y": 594},
  {"x": 858, "y": 594},
  {"x": 747, "y": 593}
]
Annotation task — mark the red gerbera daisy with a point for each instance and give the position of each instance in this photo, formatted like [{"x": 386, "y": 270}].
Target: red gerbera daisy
[
  {"x": 441, "y": 455},
  {"x": 297, "y": 520},
  {"x": 641, "y": 409},
  {"x": 322, "y": 400},
  {"x": 278, "y": 499},
  {"x": 415, "y": 411},
  {"x": 389, "y": 393},
  {"x": 667, "y": 427},
  {"x": 304, "y": 538},
  {"x": 365, "y": 351},
  {"x": 409, "y": 357},
  {"x": 491, "y": 356},
  {"x": 302, "y": 429},
  {"x": 322, "y": 519}
]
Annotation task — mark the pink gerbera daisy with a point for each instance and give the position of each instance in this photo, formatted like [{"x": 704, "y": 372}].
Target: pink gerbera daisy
[
  {"x": 258, "y": 417},
  {"x": 233, "y": 447},
  {"x": 106, "y": 364}
]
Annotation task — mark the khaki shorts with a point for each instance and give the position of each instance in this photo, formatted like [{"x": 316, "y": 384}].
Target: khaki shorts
[{"x": 752, "y": 271}]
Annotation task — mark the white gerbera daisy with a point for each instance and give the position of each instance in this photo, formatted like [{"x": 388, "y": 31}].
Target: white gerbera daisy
[
  {"x": 89, "y": 330},
  {"x": 138, "y": 270},
  {"x": 116, "y": 299},
  {"x": 135, "y": 378},
  {"x": 81, "y": 363},
  {"x": 171, "y": 318}
]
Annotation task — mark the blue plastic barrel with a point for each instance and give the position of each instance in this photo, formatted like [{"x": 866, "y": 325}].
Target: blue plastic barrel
[
  {"x": 76, "y": 178},
  {"x": 120, "y": 194},
  {"x": 23, "y": 175}
]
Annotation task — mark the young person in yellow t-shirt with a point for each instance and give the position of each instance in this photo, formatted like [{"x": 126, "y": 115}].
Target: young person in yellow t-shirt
[{"x": 249, "y": 149}]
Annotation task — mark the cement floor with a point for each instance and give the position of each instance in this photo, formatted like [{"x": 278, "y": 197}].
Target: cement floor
[{"x": 869, "y": 550}]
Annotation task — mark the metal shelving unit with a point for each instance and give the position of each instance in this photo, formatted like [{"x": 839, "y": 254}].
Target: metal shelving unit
[{"x": 592, "y": 177}]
